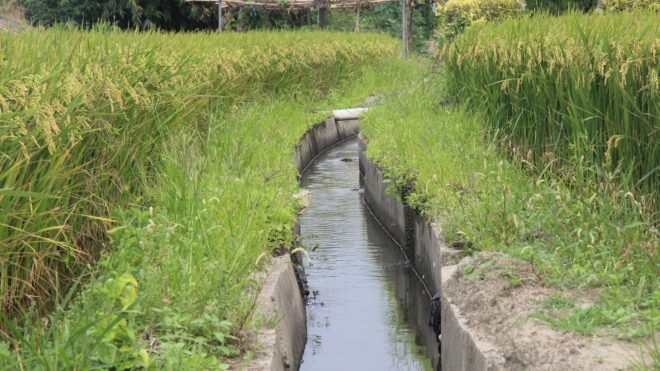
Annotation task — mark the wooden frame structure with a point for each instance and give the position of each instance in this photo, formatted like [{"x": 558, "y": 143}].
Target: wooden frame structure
[
  {"x": 299, "y": 4},
  {"x": 322, "y": 5}
]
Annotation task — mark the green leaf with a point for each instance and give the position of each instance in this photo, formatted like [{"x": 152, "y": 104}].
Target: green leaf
[{"x": 25, "y": 194}]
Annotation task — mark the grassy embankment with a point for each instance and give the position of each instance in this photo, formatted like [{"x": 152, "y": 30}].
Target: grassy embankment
[
  {"x": 176, "y": 150},
  {"x": 549, "y": 153}
]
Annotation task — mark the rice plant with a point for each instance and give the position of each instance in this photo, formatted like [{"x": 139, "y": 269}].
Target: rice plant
[
  {"x": 85, "y": 115},
  {"x": 177, "y": 289},
  {"x": 573, "y": 238},
  {"x": 577, "y": 94}
]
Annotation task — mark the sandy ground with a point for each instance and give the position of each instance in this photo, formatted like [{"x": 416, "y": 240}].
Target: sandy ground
[{"x": 497, "y": 299}]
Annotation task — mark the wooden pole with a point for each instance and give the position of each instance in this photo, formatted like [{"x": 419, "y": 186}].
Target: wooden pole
[
  {"x": 409, "y": 24},
  {"x": 404, "y": 29},
  {"x": 241, "y": 13},
  {"x": 219, "y": 16},
  {"x": 323, "y": 13}
]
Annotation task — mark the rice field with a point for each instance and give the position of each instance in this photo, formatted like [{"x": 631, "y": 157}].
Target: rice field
[
  {"x": 446, "y": 164},
  {"x": 144, "y": 179},
  {"x": 577, "y": 94},
  {"x": 85, "y": 116}
]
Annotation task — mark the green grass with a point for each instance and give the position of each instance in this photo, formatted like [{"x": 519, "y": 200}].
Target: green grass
[
  {"x": 557, "y": 302},
  {"x": 177, "y": 289},
  {"x": 86, "y": 116},
  {"x": 577, "y": 94},
  {"x": 573, "y": 237}
]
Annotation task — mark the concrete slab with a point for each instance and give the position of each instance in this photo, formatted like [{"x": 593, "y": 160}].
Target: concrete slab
[
  {"x": 321, "y": 137},
  {"x": 388, "y": 208},
  {"x": 349, "y": 113},
  {"x": 281, "y": 347},
  {"x": 461, "y": 349}
]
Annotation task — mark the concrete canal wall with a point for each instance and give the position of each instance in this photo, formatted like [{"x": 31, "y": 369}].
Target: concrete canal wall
[
  {"x": 281, "y": 348},
  {"x": 434, "y": 261},
  {"x": 281, "y": 299}
]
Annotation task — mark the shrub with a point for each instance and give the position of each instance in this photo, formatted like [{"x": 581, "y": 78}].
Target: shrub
[
  {"x": 456, "y": 15},
  {"x": 619, "y": 5},
  {"x": 561, "y": 6}
]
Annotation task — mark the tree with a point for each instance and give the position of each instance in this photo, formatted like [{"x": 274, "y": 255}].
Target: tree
[{"x": 169, "y": 15}]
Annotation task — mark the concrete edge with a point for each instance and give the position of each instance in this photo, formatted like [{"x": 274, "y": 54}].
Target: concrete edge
[
  {"x": 321, "y": 137},
  {"x": 349, "y": 114},
  {"x": 281, "y": 297},
  {"x": 436, "y": 262},
  {"x": 460, "y": 348},
  {"x": 280, "y": 301}
]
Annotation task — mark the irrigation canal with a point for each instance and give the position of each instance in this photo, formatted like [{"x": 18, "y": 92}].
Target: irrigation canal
[{"x": 367, "y": 310}]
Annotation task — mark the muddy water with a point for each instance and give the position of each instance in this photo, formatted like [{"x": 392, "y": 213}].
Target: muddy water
[{"x": 366, "y": 310}]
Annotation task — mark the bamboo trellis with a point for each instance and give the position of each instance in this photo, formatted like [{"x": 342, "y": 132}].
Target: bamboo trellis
[
  {"x": 321, "y": 5},
  {"x": 304, "y": 4}
]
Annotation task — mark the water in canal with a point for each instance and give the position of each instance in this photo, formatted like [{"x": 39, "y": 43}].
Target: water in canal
[{"x": 366, "y": 309}]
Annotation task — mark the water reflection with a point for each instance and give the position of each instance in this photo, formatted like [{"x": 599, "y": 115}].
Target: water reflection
[{"x": 366, "y": 310}]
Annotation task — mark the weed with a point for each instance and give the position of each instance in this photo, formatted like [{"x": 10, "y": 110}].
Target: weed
[
  {"x": 557, "y": 302},
  {"x": 514, "y": 279}
]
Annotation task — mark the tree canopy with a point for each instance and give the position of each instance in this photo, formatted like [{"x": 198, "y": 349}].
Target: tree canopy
[{"x": 168, "y": 15}]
